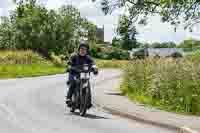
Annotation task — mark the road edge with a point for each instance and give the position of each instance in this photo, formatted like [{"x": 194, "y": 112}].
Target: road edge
[{"x": 136, "y": 117}]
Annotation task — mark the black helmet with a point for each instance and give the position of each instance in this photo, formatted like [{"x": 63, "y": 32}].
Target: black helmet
[{"x": 83, "y": 45}]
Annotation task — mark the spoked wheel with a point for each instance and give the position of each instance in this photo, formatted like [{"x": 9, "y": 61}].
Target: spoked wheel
[
  {"x": 73, "y": 108},
  {"x": 84, "y": 97}
]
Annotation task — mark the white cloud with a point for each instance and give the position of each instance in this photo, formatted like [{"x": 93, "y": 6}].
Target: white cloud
[
  {"x": 5, "y": 7},
  {"x": 3, "y": 12},
  {"x": 4, "y": 3},
  {"x": 156, "y": 31},
  {"x": 90, "y": 10},
  {"x": 51, "y": 4}
]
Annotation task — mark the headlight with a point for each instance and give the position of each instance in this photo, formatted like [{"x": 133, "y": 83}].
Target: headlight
[
  {"x": 85, "y": 68},
  {"x": 85, "y": 75}
]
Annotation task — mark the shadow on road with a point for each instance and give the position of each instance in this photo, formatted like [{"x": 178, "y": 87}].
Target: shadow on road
[
  {"x": 89, "y": 116},
  {"x": 92, "y": 116},
  {"x": 114, "y": 93}
]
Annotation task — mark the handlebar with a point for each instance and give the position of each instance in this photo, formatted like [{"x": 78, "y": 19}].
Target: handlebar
[{"x": 80, "y": 68}]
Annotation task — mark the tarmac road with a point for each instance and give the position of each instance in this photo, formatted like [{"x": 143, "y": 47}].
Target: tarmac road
[{"x": 36, "y": 105}]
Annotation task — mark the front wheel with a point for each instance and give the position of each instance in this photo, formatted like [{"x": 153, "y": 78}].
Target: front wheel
[
  {"x": 73, "y": 106},
  {"x": 84, "y": 97}
]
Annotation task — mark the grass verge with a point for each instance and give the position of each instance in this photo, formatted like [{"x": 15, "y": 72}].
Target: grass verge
[
  {"x": 28, "y": 70},
  {"x": 111, "y": 63},
  {"x": 168, "y": 84},
  {"x": 19, "y": 64}
]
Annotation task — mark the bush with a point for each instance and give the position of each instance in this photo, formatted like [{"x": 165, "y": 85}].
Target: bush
[
  {"x": 94, "y": 51},
  {"x": 195, "y": 56},
  {"x": 57, "y": 60},
  {"x": 171, "y": 84},
  {"x": 176, "y": 55},
  {"x": 109, "y": 53},
  {"x": 140, "y": 54}
]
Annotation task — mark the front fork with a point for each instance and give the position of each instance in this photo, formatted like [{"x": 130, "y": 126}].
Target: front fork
[{"x": 85, "y": 89}]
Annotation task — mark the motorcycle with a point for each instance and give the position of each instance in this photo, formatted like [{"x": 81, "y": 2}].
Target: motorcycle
[{"x": 82, "y": 92}]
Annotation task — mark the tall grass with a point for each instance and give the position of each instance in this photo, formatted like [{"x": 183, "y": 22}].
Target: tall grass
[
  {"x": 28, "y": 70},
  {"x": 17, "y": 64},
  {"x": 20, "y": 57},
  {"x": 171, "y": 84},
  {"x": 111, "y": 63}
]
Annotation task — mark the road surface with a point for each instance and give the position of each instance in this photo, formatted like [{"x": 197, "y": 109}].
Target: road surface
[{"x": 35, "y": 105}]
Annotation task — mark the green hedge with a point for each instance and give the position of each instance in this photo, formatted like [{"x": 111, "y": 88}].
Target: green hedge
[{"x": 109, "y": 53}]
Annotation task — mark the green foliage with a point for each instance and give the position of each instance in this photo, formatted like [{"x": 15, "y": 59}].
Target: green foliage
[
  {"x": 28, "y": 70},
  {"x": 163, "y": 45},
  {"x": 94, "y": 50},
  {"x": 127, "y": 33},
  {"x": 109, "y": 53},
  {"x": 176, "y": 55},
  {"x": 116, "y": 42},
  {"x": 140, "y": 54},
  {"x": 175, "y": 12},
  {"x": 190, "y": 45},
  {"x": 195, "y": 56},
  {"x": 58, "y": 60},
  {"x": 32, "y": 26},
  {"x": 170, "y": 84}
]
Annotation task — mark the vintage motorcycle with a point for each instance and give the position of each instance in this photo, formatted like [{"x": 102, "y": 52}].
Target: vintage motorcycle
[{"x": 82, "y": 92}]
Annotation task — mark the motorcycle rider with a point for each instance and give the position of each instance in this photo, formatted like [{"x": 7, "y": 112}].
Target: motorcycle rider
[{"x": 82, "y": 57}]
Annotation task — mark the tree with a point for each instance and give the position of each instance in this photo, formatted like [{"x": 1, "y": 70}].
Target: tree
[
  {"x": 69, "y": 27},
  {"x": 175, "y": 12},
  {"x": 7, "y": 40},
  {"x": 169, "y": 45},
  {"x": 90, "y": 31},
  {"x": 116, "y": 42},
  {"x": 190, "y": 45},
  {"x": 32, "y": 26},
  {"x": 163, "y": 45},
  {"x": 127, "y": 33}
]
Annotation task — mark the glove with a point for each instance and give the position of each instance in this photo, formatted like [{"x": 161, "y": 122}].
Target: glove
[
  {"x": 67, "y": 70},
  {"x": 68, "y": 82}
]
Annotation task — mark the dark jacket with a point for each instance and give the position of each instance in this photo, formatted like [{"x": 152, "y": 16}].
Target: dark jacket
[{"x": 76, "y": 60}]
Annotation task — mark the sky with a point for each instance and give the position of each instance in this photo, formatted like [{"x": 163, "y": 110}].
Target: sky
[{"x": 155, "y": 31}]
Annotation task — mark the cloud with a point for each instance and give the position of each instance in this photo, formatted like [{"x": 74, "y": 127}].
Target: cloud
[
  {"x": 90, "y": 10},
  {"x": 51, "y": 4},
  {"x": 5, "y": 7},
  {"x": 155, "y": 31},
  {"x": 4, "y": 4}
]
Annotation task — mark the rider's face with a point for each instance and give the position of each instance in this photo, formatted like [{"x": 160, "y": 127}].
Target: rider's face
[{"x": 83, "y": 51}]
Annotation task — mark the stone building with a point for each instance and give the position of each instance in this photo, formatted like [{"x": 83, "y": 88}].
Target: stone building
[{"x": 100, "y": 34}]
